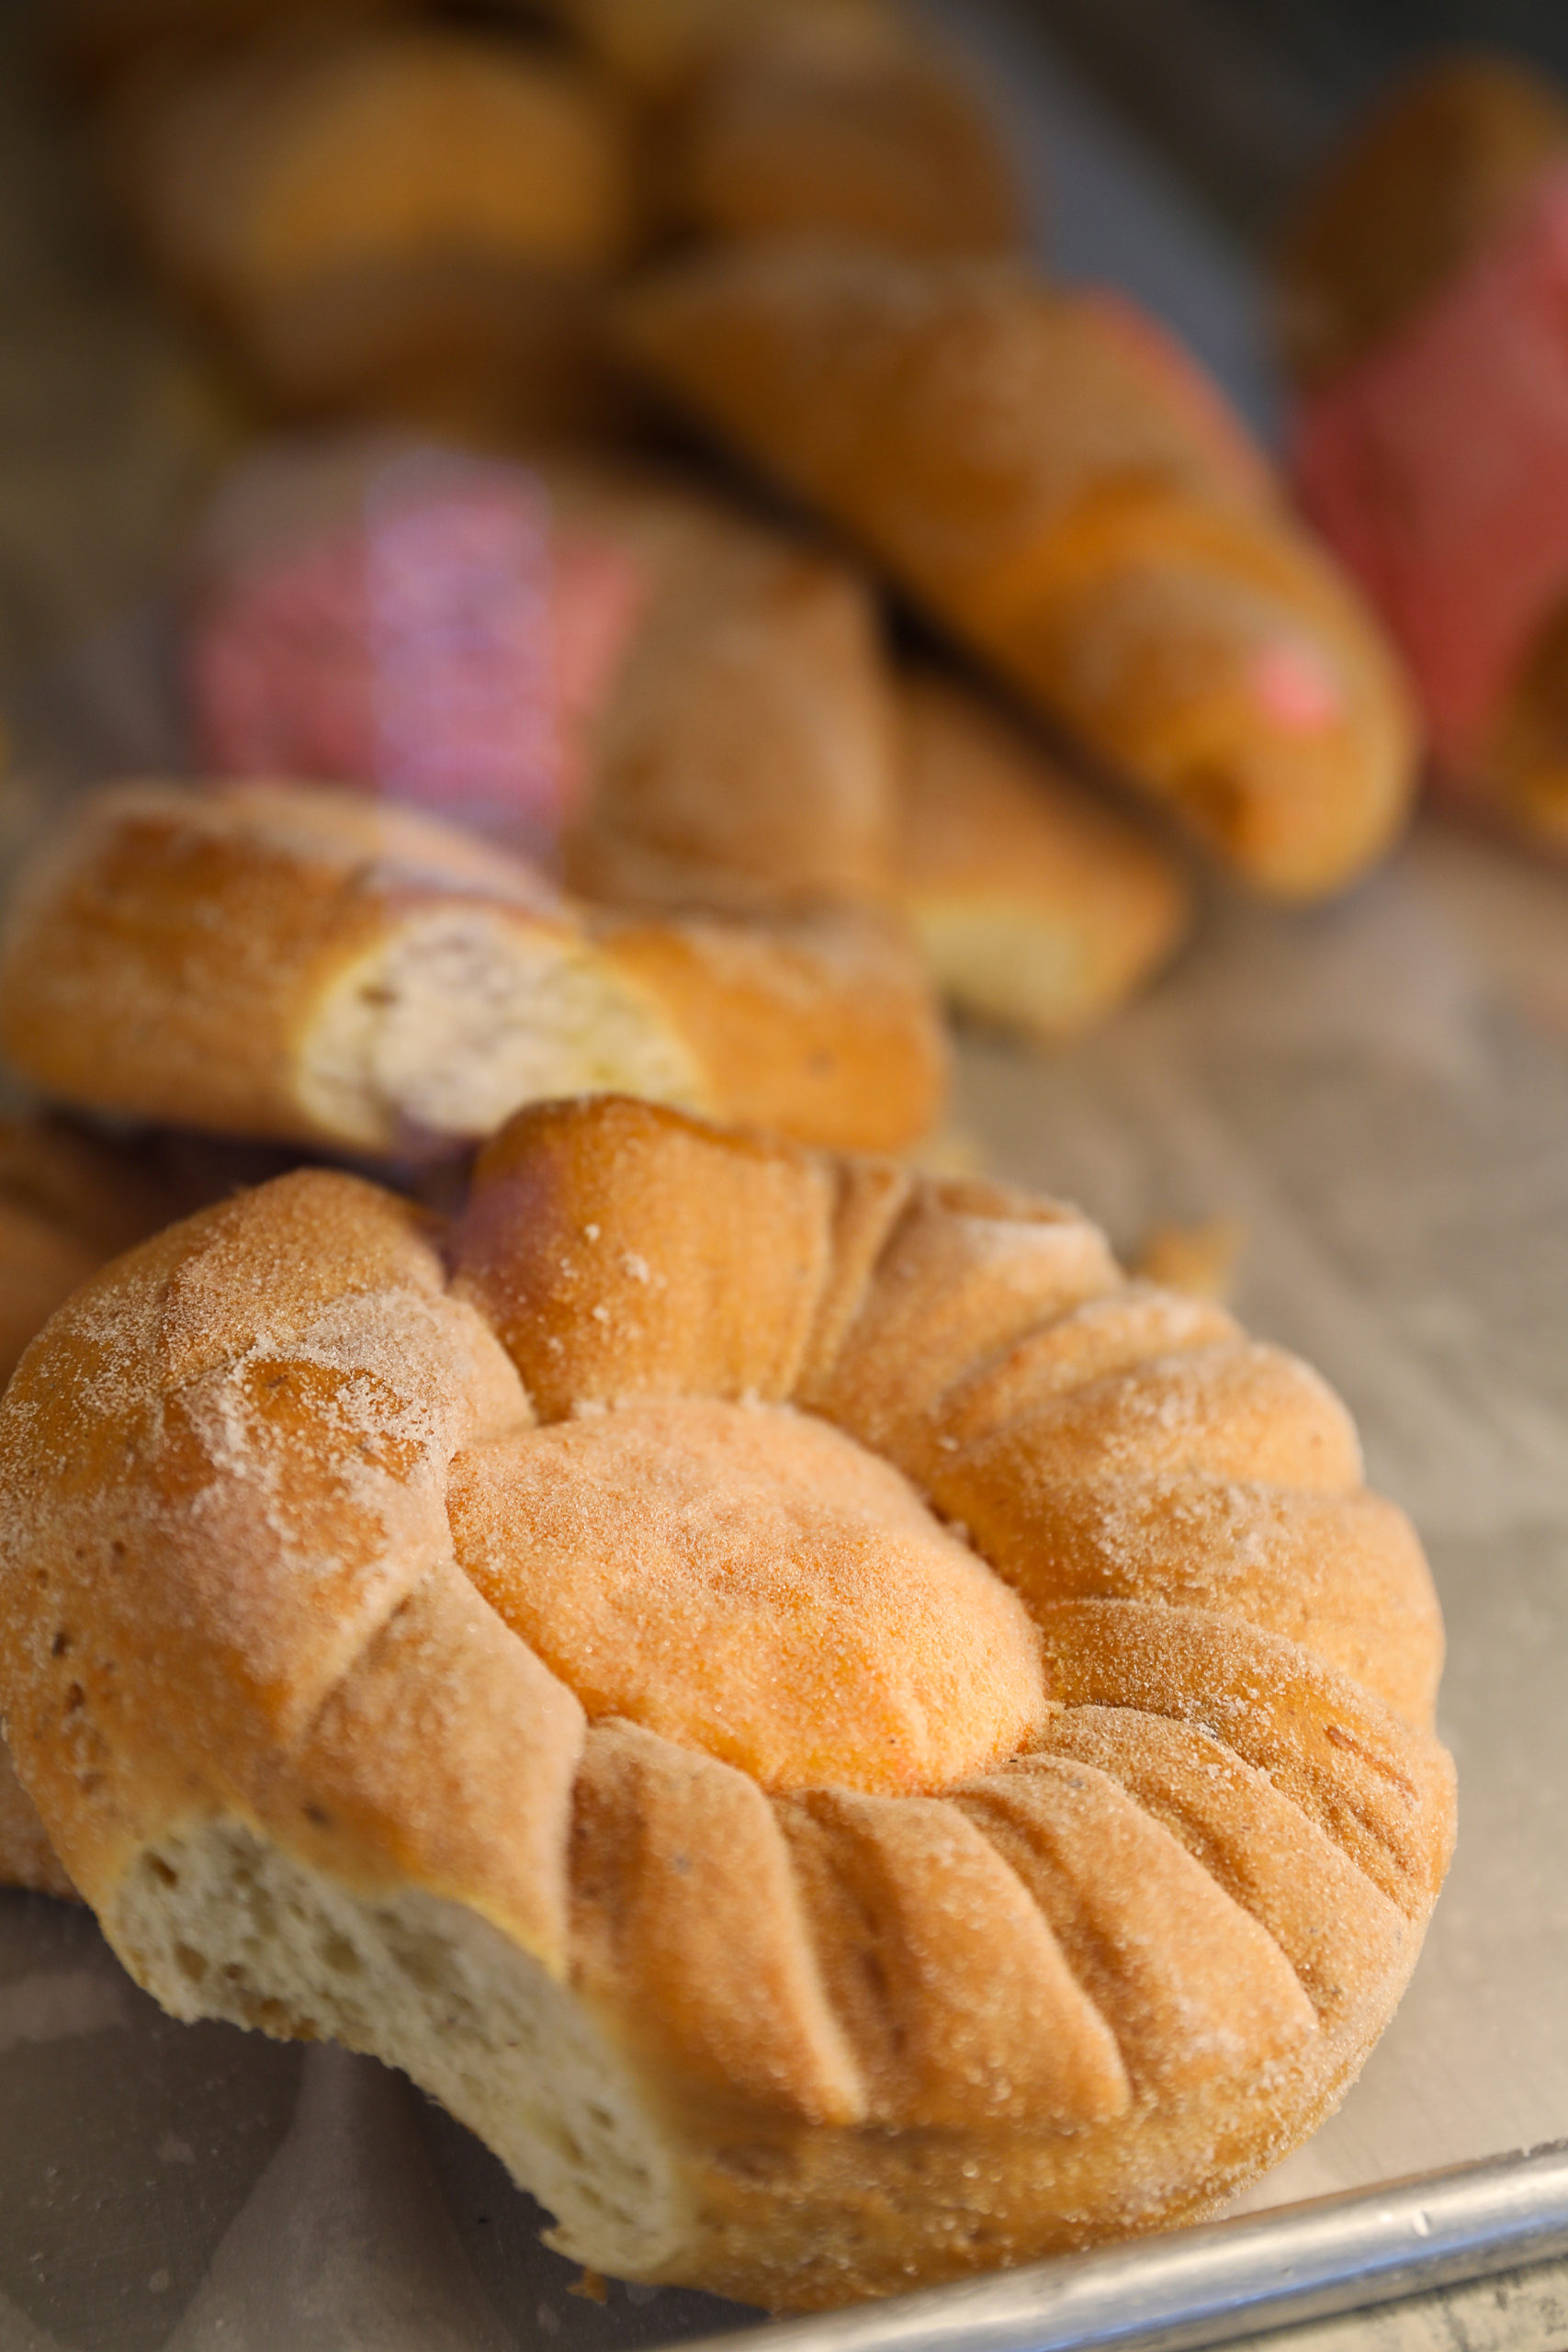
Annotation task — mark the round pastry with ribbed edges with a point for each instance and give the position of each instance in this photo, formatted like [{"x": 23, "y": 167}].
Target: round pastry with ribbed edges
[{"x": 850, "y": 1742}]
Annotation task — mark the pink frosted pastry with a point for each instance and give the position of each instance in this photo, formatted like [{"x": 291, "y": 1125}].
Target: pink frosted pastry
[
  {"x": 669, "y": 701},
  {"x": 1437, "y": 463},
  {"x": 446, "y": 644}
]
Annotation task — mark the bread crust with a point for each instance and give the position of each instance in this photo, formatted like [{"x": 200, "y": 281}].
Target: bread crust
[
  {"x": 1039, "y": 907},
  {"x": 793, "y": 2046},
  {"x": 1054, "y": 483},
  {"x": 829, "y": 122},
  {"x": 735, "y": 747},
  {"x": 1414, "y": 194},
  {"x": 278, "y": 961},
  {"x": 361, "y": 209}
]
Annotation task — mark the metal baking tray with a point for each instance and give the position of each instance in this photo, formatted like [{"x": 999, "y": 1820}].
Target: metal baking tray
[{"x": 1377, "y": 1096}]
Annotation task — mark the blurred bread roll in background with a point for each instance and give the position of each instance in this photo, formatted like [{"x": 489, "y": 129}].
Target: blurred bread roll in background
[
  {"x": 315, "y": 967},
  {"x": 1422, "y": 289},
  {"x": 397, "y": 218},
  {"x": 1040, "y": 908},
  {"x": 675, "y": 701},
  {"x": 1051, "y": 478}
]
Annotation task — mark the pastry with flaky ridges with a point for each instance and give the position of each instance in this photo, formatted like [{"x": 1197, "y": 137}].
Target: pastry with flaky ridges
[
  {"x": 1055, "y": 482},
  {"x": 851, "y": 1743}
]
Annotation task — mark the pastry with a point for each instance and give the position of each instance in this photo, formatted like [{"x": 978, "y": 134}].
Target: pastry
[
  {"x": 68, "y": 1202},
  {"x": 817, "y": 122},
  {"x": 1038, "y": 907},
  {"x": 1425, "y": 285},
  {"x": 1054, "y": 482},
  {"x": 317, "y": 967},
  {"x": 403, "y": 218},
  {"x": 659, "y": 49},
  {"x": 1413, "y": 195},
  {"x": 98, "y": 41},
  {"x": 615, "y": 672},
  {"x": 576, "y": 1686}
]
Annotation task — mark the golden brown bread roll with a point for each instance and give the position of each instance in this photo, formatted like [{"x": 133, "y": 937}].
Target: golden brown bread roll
[
  {"x": 518, "y": 1649},
  {"x": 314, "y": 966},
  {"x": 822, "y": 123},
  {"x": 97, "y": 40},
  {"x": 68, "y": 1201},
  {"x": 1050, "y": 479},
  {"x": 1038, "y": 907},
  {"x": 406, "y": 218}
]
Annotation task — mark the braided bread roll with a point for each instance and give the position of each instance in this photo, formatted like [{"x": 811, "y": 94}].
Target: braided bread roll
[
  {"x": 850, "y": 1743},
  {"x": 1055, "y": 484},
  {"x": 276, "y": 961}
]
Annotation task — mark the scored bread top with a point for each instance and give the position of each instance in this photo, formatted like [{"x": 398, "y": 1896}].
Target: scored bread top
[{"x": 893, "y": 1671}]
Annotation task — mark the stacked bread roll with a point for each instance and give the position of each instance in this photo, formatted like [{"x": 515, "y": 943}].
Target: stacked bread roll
[{"x": 1103, "y": 536}]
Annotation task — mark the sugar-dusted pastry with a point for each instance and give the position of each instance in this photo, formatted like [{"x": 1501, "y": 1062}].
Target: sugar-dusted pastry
[
  {"x": 405, "y": 218},
  {"x": 851, "y": 1743},
  {"x": 659, "y": 49},
  {"x": 68, "y": 1201},
  {"x": 1038, "y": 907},
  {"x": 98, "y": 41},
  {"x": 1051, "y": 478},
  {"x": 821, "y": 123},
  {"x": 628, "y": 676},
  {"x": 1424, "y": 295},
  {"x": 314, "y": 966}
]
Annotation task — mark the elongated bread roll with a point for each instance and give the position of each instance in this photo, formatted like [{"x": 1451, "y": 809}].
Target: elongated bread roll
[
  {"x": 1046, "y": 475},
  {"x": 809, "y": 1880},
  {"x": 1038, "y": 907},
  {"x": 278, "y": 961}
]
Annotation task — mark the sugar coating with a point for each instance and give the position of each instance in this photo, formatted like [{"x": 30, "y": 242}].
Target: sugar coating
[
  {"x": 745, "y": 1580},
  {"x": 897, "y": 1900}
]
